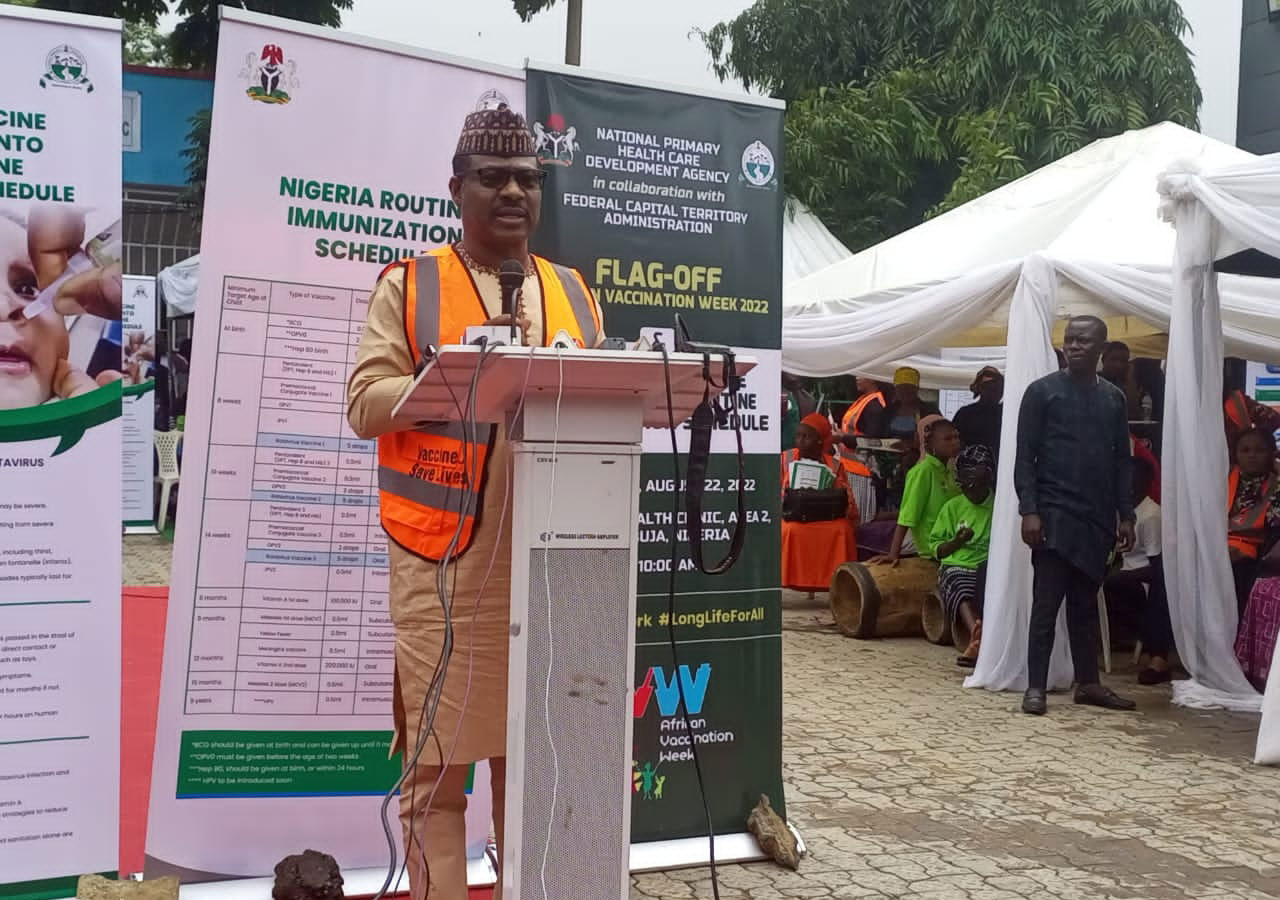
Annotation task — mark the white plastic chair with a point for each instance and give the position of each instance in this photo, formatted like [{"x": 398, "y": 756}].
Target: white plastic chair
[{"x": 167, "y": 452}]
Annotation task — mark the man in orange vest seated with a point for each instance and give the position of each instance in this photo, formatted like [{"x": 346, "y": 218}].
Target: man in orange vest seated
[{"x": 430, "y": 302}]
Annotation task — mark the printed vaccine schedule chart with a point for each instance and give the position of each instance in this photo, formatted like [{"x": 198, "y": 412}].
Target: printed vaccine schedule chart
[{"x": 291, "y": 614}]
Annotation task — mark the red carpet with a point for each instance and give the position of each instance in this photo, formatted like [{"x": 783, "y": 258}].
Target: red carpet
[{"x": 142, "y": 649}]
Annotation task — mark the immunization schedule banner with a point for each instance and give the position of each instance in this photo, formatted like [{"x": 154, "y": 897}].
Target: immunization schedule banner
[
  {"x": 672, "y": 203},
  {"x": 60, "y": 401},
  {"x": 138, "y": 325},
  {"x": 275, "y": 709}
]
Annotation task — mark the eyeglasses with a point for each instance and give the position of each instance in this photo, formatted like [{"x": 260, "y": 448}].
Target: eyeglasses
[{"x": 496, "y": 177}]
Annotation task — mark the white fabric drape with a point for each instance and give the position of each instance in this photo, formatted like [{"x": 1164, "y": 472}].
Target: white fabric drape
[
  {"x": 1002, "y": 665},
  {"x": 1215, "y": 214},
  {"x": 1202, "y": 602},
  {"x": 874, "y": 335},
  {"x": 178, "y": 285}
]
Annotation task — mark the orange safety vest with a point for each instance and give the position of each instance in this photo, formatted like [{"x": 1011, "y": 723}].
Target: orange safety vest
[
  {"x": 849, "y": 425},
  {"x": 425, "y": 474},
  {"x": 1245, "y": 531}
]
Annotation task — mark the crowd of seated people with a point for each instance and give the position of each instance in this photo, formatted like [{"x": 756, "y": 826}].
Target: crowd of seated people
[{"x": 931, "y": 495}]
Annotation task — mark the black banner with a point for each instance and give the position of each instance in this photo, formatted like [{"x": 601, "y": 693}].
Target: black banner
[{"x": 672, "y": 203}]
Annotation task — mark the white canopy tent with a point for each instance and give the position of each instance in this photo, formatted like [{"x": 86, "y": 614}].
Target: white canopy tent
[
  {"x": 1216, "y": 214},
  {"x": 1095, "y": 207},
  {"x": 1080, "y": 236},
  {"x": 807, "y": 245}
]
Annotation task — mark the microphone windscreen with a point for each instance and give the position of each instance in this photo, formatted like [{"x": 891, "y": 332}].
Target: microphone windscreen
[{"x": 511, "y": 274}]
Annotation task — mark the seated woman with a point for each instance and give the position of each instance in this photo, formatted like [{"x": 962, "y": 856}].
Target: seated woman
[
  {"x": 1253, "y": 507},
  {"x": 962, "y": 537},
  {"x": 817, "y": 523},
  {"x": 1141, "y": 579},
  {"x": 1260, "y": 627},
  {"x": 930, "y": 484}
]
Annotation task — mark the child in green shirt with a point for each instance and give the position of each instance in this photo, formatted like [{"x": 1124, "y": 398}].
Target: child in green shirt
[
  {"x": 962, "y": 537},
  {"x": 929, "y": 486}
]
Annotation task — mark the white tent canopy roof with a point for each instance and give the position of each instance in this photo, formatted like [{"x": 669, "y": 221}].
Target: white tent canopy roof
[
  {"x": 1093, "y": 215},
  {"x": 1098, "y": 203},
  {"x": 1095, "y": 207},
  {"x": 807, "y": 245}
]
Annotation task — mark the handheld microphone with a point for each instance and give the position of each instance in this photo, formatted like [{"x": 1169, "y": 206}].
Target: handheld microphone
[{"x": 511, "y": 278}]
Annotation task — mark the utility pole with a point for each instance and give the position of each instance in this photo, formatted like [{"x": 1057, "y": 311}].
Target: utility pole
[{"x": 573, "y": 34}]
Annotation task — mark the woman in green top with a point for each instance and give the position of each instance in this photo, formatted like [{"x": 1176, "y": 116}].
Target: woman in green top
[
  {"x": 962, "y": 538},
  {"x": 930, "y": 484}
]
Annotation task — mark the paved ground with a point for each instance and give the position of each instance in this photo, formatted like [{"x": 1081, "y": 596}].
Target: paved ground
[{"x": 904, "y": 784}]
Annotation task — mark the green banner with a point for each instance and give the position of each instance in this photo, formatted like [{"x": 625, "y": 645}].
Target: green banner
[
  {"x": 672, "y": 203},
  {"x": 285, "y": 764}
]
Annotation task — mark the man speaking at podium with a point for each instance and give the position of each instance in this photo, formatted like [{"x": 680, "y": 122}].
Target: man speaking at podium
[{"x": 426, "y": 475}]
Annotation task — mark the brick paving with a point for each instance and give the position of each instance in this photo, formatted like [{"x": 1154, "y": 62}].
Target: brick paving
[{"x": 904, "y": 784}]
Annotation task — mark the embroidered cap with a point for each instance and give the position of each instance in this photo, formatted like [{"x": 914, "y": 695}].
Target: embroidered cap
[{"x": 495, "y": 132}]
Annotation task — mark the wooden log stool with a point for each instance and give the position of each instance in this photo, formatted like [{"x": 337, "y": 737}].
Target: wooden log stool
[
  {"x": 882, "y": 601},
  {"x": 933, "y": 620}
]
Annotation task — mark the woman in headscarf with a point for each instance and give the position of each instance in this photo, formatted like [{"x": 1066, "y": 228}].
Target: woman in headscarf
[
  {"x": 1253, "y": 513},
  {"x": 902, "y": 419},
  {"x": 818, "y": 518},
  {"x": 907, "y": 409},
  {"x": 1240, "y": 412}
]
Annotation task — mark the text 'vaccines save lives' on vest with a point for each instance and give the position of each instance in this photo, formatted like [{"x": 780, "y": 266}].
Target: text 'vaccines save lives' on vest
[{"x": 425, "y": 476}]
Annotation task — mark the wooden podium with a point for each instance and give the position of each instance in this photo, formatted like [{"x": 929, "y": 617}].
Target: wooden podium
[{"x": 576, "y": 446}]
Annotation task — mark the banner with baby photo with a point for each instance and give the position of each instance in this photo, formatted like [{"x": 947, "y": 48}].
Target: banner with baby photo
[{"x": 60, "y": 407}]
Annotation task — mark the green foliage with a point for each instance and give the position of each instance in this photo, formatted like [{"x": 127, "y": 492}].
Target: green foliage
[
  {"x": 145, "y": 45},
  {"x": 527, "y": 9},
  {"x": 148, "y": 12},
  {"x": 899, "y": 109},
  {"x": 197, "y": 157},
  {"x": 195, "y": 43},
  {"x": 195, "y": 40}
]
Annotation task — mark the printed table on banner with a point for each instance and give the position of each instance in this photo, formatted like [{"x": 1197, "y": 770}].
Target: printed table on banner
[{"x": 291, "y": 600}]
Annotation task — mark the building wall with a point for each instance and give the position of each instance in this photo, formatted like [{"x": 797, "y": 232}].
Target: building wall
[
  {"x": 1214, "y": 43},
  {"x": 159, "y": 229},
  {"x": 168, "y": 99},
  {"x": 1259, "y": 123}
]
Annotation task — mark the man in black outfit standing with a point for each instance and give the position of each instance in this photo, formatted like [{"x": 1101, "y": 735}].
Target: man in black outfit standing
[{"x": 1074, "y": 481}]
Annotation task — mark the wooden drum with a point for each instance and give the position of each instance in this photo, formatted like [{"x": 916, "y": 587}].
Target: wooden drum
[
  {"x": 933, "y": 620},
  {"x": 882, "y": 601}
]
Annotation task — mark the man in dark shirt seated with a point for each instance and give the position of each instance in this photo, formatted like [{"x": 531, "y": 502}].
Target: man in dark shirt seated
[
  {"x": 979, "y": 423},
  {"x": 1074, "y": 480}
]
